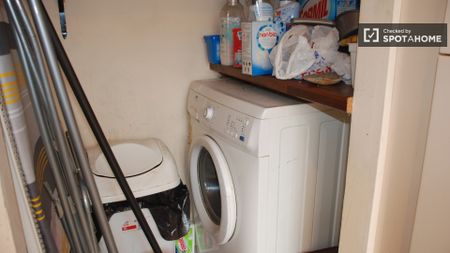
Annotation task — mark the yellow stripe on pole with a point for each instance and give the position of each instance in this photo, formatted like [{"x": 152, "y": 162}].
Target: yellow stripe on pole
[
  {"x": 11, "y": 95},
  {"x": 7, "y": 74},
  {"x": 12, "y": 101},
  {"x": 8, "y": 84},
  {"x": 41, "y": 218},
  {"x": 36, "y": 199},
  {"x": 37, "y": 205},
  {"x": 39, "y": 212},
  {"x": 12, "y": 89}
]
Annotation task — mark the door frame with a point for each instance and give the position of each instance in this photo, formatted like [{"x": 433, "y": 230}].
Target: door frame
[{"x": 391, "y": 110}]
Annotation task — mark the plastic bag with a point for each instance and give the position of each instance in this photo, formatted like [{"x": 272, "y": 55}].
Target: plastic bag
[
  {"x": 171, "y": 211},
  {"x": 306, "y": 50},
  {"x": 293, "y": 55}
]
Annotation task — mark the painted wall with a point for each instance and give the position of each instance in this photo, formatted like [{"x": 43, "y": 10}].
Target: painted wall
[
  {"x": 135, "y": 60},
  {"x": 391, "y": 112},
  {"x": 432, "y": 221}
]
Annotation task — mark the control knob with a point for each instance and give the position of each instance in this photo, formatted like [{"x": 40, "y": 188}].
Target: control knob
[{"x": 208, "y": 113}]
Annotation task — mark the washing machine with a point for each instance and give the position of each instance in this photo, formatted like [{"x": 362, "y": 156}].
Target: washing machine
[{"x": 267, "y": 171}]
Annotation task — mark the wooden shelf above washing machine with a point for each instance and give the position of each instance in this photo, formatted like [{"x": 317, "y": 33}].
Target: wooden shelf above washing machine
[{"x": 338, "y": 96}]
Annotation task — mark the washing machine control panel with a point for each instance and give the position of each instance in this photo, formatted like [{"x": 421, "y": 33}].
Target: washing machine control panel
[
  {"x": 229, "y": 123},
  {"x": 237, "y": 126}
]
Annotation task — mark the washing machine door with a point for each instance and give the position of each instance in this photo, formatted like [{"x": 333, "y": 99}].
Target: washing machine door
[{"x": 212, "y": 189}]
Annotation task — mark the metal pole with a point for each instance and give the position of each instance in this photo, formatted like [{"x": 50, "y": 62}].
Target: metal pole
[
  {"x": 91, "y": 247},
  {"x": 66, "y": 157},
  {"x": 33, "y": 40},
  {"x": 49, "y": 52},
  {"x": 100, "y": 136},
  {"x": 18, "y": 148},
  {"x": 54, "y": 164}
]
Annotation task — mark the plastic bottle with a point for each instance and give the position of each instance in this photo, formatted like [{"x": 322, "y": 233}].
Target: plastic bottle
[
  {"x": 287, "y": 11},
  {"x": 261, "y": 10},
  {"x": 276, "y": 3},
  {"x": 284, "y": 2},
  {"x": 246, "y": 4},
  {"x": 230, "y": 17}
]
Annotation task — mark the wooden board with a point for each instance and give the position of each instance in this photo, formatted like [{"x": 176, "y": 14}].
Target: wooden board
[{"x": 338, "y": 96}]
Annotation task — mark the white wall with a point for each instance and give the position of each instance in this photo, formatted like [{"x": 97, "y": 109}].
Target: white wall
[
  {"x": 135, "y": 60},
  {"x": 432, "y": 222},
  {"x": 408, "y": 126}
]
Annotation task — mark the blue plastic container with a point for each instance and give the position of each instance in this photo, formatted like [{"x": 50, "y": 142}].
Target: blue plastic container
[{"x": 213, "y": 48}]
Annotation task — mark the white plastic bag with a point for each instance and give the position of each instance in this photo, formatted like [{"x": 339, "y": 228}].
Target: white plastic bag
[
  {"x": 324, "y": 38},
  {"x": 293, "y": 55},
  {"x": 305, "y": 51}
]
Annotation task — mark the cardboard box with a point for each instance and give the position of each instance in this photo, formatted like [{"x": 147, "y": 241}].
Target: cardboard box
[{"x": 258, "y": 39}]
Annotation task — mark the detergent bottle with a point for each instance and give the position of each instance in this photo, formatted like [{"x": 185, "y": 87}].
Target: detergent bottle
[
  {"x": 230, "y": 17},
  {"x": 261, "y": 10}
]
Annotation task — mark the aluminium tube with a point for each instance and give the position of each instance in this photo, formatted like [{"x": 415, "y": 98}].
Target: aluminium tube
[
  {"x": 49, "y": 110},
  {"x": 34, "y": 44},
  {"x": 54, "y": 163},
  {"x": 99, "y": 135},
  {"x": 66, "y": 156},
  {"x": 66, "y": 108},
  {"x": 24, "y": 52},
  {"x": 47, "y": 103},
  {"x": 15, "y": 111},
  {"x": 18, "y": 148}
]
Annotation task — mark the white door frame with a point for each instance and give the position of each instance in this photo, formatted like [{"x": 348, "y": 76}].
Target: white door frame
[{"x": 392, "y": 99}]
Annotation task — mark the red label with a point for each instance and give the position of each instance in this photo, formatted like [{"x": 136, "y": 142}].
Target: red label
[
  {"x": 129, "y": 227},
  {"x": 317, "y": 10},
  {"x": 182, "y": 244},
  {"x": 237, "y": 47}
]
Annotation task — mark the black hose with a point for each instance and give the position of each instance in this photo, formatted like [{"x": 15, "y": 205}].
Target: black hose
[{"x": 99, "y": 135}]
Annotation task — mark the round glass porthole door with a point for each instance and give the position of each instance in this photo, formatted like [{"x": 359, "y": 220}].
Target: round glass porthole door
[
  {"x": 209, "y": 185},
  {"x": 212, "y": 189}
]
